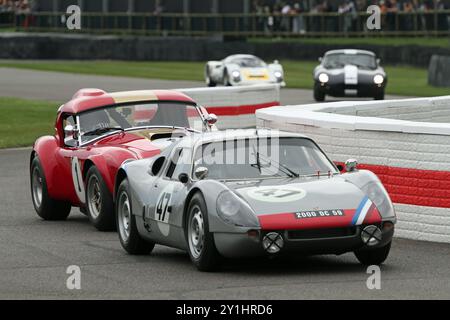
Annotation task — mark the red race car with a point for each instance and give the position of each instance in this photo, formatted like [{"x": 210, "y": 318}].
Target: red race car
[{"x": 95, "y": 133}]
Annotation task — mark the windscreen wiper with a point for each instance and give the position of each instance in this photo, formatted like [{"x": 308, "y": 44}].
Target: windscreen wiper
[
  {"x": 100, "y": 131},
  {"x": 289, "y": 172}
]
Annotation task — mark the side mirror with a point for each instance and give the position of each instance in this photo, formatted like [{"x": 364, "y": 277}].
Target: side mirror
[
  {"x": 378, "y": 61},
  {"x": 320, "y": 59},
  {"x": 72, "y": 131},
  {"x": 211, "y": 119},
  {"x": 201, "y": 173},
  {"x": 156, "y": 166},
  {"x": 183, "y": 177},
  {"x": 351, "y": 165},
  {"x": 276, "y": 62}
]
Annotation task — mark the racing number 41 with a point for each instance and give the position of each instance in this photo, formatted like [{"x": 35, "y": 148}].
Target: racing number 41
[{"x": 162, "y": 207}]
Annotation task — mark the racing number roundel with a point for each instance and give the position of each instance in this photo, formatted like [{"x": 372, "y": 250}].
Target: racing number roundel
[
  {"x": 77, "y": 179},
  {"x": 277, "y": 193},
  {"x": 163, "y": 209}
]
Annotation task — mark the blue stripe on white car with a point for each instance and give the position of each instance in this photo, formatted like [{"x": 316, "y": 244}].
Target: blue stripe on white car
[{"x": 362, "y": 211}]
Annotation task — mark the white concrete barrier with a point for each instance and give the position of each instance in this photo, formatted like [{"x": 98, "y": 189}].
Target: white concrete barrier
[
  {"x": 236, "y": 106},
  {"x": 405, "y": 142}
]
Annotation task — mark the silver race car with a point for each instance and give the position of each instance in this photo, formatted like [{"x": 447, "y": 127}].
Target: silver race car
[
  {"x": 243, "y": 69},
  {"x": 251, "y": 193},
  {"x": 349, "y": 73}
]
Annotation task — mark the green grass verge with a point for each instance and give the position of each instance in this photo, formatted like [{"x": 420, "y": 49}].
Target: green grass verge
[
  {"x": 149, "y": 70},
  {"x": 403, "y": 80},
  {"x": 443, "y": 42},
  {"x": 22, "y": 121}
]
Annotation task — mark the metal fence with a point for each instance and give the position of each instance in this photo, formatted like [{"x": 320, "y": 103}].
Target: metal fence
[
  {"x": 6, "y": 20},
  {"x": 434, "y": 23}
]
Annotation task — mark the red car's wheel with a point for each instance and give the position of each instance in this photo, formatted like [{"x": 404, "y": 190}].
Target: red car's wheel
[
  {"x": 46, "y": 207},
  {"x": 99, "y": 202}
]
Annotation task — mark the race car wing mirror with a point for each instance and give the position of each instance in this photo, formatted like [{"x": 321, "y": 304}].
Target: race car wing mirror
[
  {"x": 211, "y": 119},
  {"x": 201, "y": 173},
  {"x": 72, "y": 131},
  {"x": 378, "y": 61},
  {"x": 320, "y": 59},
  {"x": 351, "y": 165}
]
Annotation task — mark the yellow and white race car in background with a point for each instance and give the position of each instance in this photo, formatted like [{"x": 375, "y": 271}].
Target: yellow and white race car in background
[{"x": 243, "y": 69}]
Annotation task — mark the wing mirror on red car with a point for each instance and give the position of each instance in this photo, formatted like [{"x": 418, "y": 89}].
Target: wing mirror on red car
[
  {"x": 211, "y": 119},
  {"x": 72, "y": 131}
]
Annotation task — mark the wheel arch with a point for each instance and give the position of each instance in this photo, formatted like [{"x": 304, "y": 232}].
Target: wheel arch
[
  {"x": 189, "y": 196},
  {"x": 104, "y": 169},
  {"x": 32, "y": 156},
  {"x": 121, "y": 175},
  {"x": 87, "y": 165},
  {"x": 46, "y": 149}
]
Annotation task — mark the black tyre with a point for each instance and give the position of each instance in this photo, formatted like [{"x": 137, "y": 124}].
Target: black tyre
[
  {"x": 379, "y": 96},
  {"x": 226, "y": 79},
  {"x": 46, "y": 207},
  {"x": 208, "y": 80},
  {"x": 373, "y": 257},
  {"x": 201, "y": 247},
  {"x": 129, "y": 236},
  {"x": 319, "y": 96},
  {"x": 99, "y": 202}
]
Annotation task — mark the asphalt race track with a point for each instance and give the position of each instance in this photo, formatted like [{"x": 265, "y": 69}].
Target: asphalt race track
[
  {"x": 56, "y": 86},
  {"x": 35, "y": 254}
]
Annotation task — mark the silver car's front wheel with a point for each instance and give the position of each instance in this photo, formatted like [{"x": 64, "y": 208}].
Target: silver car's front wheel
[
  {"x": 196, "y": 232},
  {"x": 200, "y": 242}
]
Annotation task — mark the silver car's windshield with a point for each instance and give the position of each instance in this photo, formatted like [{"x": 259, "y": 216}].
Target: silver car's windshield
[
  {"x": 339, "y": 60},
  {"x": 117, "y": 118},
  {"x": 262, "y": 158},
  {"x": 248, "y": 62}
]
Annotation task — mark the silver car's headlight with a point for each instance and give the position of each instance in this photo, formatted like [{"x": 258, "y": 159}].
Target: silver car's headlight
[
  {"x": 323, "y": 77},
  {"x": 378, "y": 79},
  {"x": 236, "y": 75},
  {"x": 379, "y": 196},
  {"x": 233, "y": 210}
]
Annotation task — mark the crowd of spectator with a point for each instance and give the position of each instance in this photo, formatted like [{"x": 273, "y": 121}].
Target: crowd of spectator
[
  {"x": 287, "y": 15},
  {"x": 16, "y": 6}
]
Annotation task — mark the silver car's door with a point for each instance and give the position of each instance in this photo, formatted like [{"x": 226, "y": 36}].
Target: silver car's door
[{"x": 165, "y": 212}]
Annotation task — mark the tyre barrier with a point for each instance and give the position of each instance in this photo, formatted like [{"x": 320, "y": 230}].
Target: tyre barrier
[
  {"x": 405, "y": 142},
  {"x": 235, "y": 106}
]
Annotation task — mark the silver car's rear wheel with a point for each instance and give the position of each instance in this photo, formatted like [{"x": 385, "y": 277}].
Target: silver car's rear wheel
[
  {"x": 129, "y": 236},
  {"x": 196, "y": 232},
  {"x": 124, "y": 216}
]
